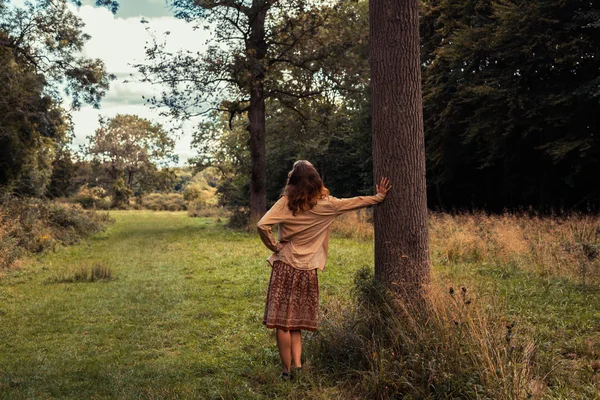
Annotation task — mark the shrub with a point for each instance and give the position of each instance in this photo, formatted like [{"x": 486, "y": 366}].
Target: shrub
[
  {"x": 163, "y": 202},
  {"x": 198, "y": 209},
  {"x": 9, "y": 246},
  {"x": 92, "y": 197},
  {"x": 34, "y": 226},
  {"x": 71, "y": 223},
  {"x": 240, "y": 218},
  {"x": 387, "y": 348}
]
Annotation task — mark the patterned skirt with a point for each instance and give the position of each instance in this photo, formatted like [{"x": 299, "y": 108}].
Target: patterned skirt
[{"x": 292, "y": 298}]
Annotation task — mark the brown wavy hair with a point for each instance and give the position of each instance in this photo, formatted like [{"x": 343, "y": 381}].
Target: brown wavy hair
[{"x": 304, "y": 187}]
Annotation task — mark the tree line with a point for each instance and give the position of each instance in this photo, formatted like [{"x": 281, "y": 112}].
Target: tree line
[{"x": 510, "y": 100}]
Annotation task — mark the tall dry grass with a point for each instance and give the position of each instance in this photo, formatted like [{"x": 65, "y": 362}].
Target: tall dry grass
[
  {"x": 550, "y": 246},
  {"x": 386, "y": 348},
  {"x": 356, "y": 225}
]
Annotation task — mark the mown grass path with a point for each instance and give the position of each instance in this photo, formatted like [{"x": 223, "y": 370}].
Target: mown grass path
[{"x": 181, "y": 317}]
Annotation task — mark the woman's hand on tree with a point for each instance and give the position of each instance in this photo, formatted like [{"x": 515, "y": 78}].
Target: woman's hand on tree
[{"x": 383, "y": 187}]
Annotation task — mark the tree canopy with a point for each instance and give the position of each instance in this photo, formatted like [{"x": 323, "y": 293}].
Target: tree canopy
[
  {"x": 511, "y": 93},
  {"x": 40, "y": 60},
  {"x": 129, "y": 149}
]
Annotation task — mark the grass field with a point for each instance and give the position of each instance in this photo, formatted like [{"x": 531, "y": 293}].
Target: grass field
[{"x": 180, "y": 317}]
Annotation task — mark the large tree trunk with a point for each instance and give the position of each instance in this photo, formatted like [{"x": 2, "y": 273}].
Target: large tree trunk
[
  {"x": 256, "y": 48},
  {"x": 401, "y": 240},
  {"x": 258, "y": 175}
]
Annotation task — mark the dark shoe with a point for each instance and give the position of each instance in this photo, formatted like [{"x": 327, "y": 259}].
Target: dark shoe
[{"x": 285, "y": 376}]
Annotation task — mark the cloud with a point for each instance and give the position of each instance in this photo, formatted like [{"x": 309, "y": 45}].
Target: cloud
[{"x": 120, "y": 43}]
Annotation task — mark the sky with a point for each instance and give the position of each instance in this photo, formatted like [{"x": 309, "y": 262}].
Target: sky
[{"x": 119, "y": 41}]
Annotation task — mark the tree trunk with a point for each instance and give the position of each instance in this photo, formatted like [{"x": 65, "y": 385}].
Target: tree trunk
[
  {"x": 401, "y": 239},
  {"x": 256, "y": 49},
  {"x": 130, "y": 174}
]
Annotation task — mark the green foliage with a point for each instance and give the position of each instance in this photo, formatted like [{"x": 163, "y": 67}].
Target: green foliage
[
  {"x": 298, "y": 39},
  {"x": 31, "y": 127},
  {"x": 41, "y": 47},
  {"x": 92, "y": 197},
  {"x": 509, "y": 93},
  {"x": 48, "y": 38},
  {"x": 64, "y": 173},
  {"x": 121, "y": 193},
  {"x": 163, "y": 202},
  {"x": 331, "y": 129},
  {"x": 128, "y": 151},
  {"x": 202, "y": 187},
  {"x": 339, "y": 147}
]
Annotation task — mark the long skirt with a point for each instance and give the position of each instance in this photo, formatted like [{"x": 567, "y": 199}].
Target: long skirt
[{"x": 292, "y": 298}]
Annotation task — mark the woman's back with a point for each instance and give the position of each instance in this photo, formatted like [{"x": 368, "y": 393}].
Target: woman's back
[{"x": 304, "y": 235}]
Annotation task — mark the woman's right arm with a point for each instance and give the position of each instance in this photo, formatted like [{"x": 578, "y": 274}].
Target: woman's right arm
[{"x": 264, "y": 226}]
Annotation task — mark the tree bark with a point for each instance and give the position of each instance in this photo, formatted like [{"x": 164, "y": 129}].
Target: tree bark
[
  {"x": 401, "y": 239},
  {"x": 256, "y": 49}
]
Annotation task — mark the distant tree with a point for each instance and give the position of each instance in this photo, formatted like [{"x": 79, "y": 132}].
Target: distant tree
[
  {"x": 401, "y": 239},
  {"x": 130, "y": 149},
  {"x": 258, "y": 46}
]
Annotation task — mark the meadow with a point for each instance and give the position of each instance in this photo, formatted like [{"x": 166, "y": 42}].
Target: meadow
[{"x": 164, "y": 306}]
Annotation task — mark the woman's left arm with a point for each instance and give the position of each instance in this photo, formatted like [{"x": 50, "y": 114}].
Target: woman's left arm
[
  {"x": 272, "y": 217},
  {"x": 343, "y": 205}
]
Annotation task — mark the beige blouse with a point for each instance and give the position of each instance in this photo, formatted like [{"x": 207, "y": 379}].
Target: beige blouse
[{"x": 304, "y": 238}]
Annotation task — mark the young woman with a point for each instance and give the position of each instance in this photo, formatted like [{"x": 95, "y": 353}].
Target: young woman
[{"x": 304, "y": 214}]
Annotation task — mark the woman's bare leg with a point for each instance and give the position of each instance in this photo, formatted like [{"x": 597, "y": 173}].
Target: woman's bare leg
[
  {"x": 284, "y": 343},
  {"x": 296, "y": 337}
]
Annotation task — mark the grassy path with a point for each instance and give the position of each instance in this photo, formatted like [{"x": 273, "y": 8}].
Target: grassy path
[{"x": 181, "y": 317}]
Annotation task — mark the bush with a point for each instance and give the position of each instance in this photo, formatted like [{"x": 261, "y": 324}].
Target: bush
[
  {"x": 34, "y": 226},
  {"x": 452, "y": 347},
  {"x": 240, "y": 218},
  {"x": 163, "y": 202},
  {"x": 9, "y": 246},
  {"x": 197, "y": 209},
  {"x": 94, "y": 197},
  {"x": 71, "y": 223}
]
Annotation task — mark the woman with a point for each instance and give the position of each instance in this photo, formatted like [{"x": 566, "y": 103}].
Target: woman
[{"x": 304, "y": 214}]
